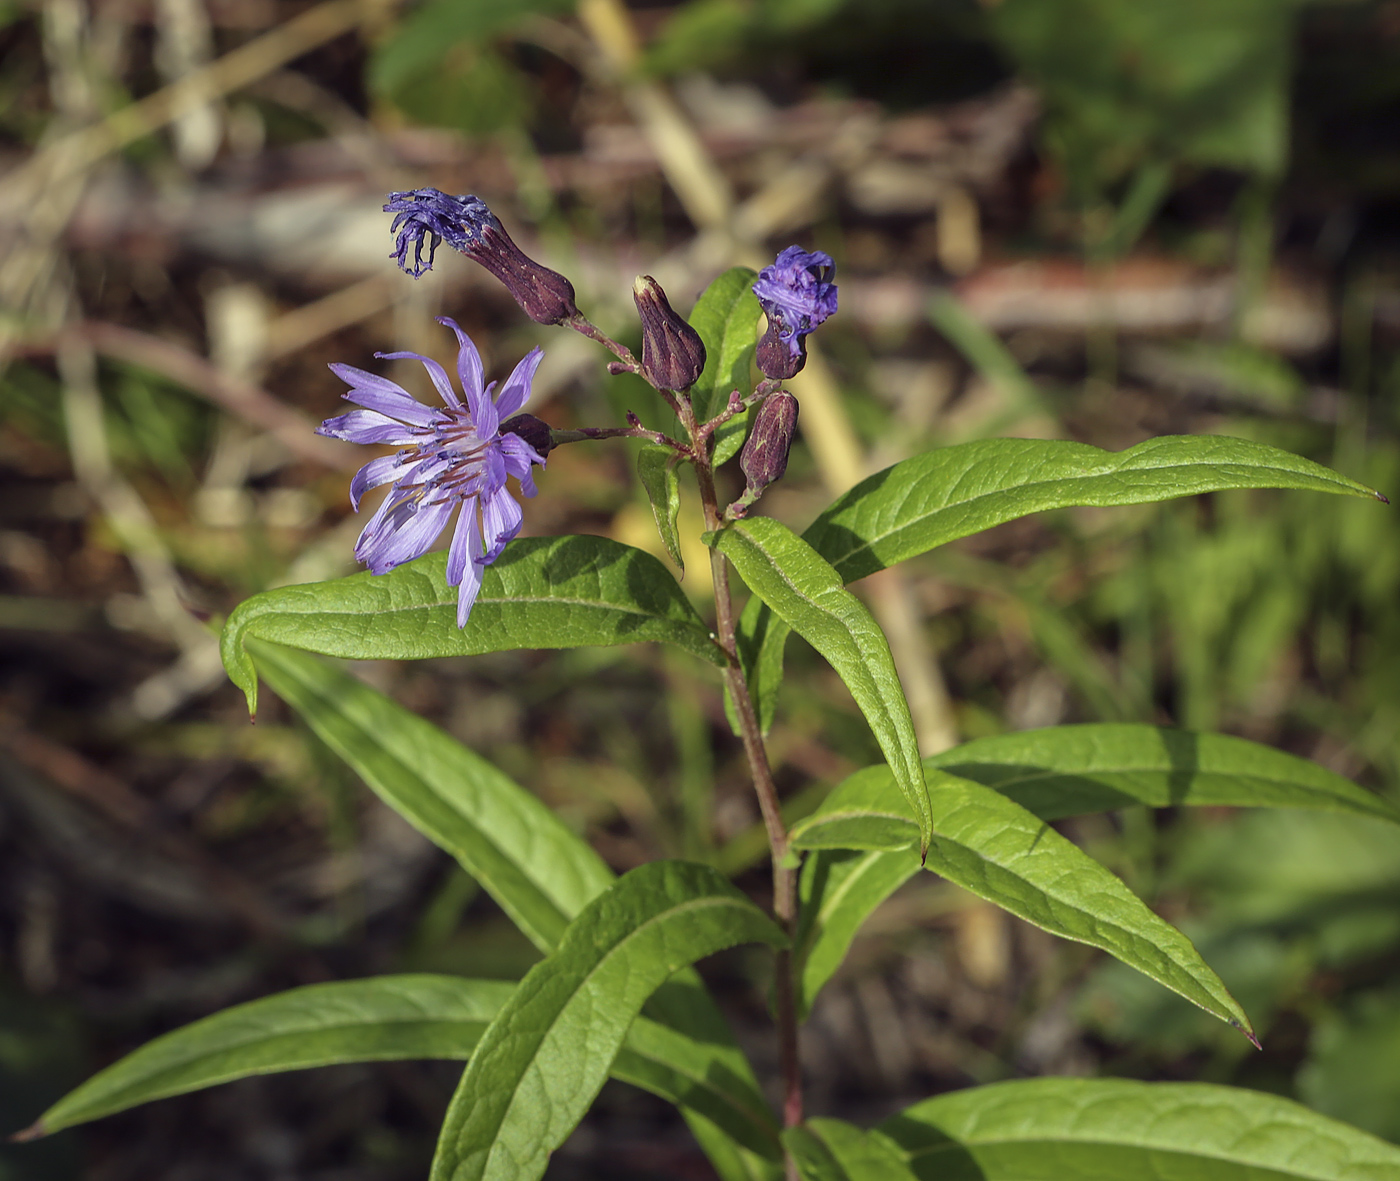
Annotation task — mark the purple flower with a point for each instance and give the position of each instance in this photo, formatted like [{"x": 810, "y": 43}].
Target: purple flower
[
  {"x": 796, "y": 294},
  {"x": 468, "y": 226},
  {"x": 449, "y": 456}
]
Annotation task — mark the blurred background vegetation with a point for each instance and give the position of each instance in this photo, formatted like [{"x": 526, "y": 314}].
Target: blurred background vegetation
[{"x": 1084, "y": 219}]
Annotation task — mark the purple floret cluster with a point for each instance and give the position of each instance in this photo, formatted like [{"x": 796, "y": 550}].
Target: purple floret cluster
[{"x": 451, "y": 456}]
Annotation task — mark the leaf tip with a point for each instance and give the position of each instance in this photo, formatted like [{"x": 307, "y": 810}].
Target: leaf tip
[
  {"x": 1249, "y": 1033},
  {"x": 1381, "y": 496},
  {"x": 35, "y": 1131}
]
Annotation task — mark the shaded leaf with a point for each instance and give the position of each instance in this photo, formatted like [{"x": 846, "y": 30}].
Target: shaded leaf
[
  {"x": 726, "y": 317},
  {"x": 380, "y": 1019},
  {"x": 952, "y": 492},
  {"x": 1053, "y": 1128},
  {"x": 806, "y": 594},
  {"x": 542, "y": 592},
  {"x": 1071, "y": 770},
  {"x": 541, "y": 1062},
  {"x": 538, "y": 871},
  {"x": 833, "y": 1150},
  {"x": 994, "y": 848},
  {"x": 839, "y": 889},
  {"x": 660, "y": 477}
]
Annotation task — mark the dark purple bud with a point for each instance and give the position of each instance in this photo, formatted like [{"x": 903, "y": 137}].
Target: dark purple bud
[
  {"x": 468, "y": 226},
  {"x": 673, "y": 355},
  {"x": 778, "y": 358},
  {"x": 765, "y": 455},
  {"x": 796, "y": 294},
  {"x": 533, "y": 430}
]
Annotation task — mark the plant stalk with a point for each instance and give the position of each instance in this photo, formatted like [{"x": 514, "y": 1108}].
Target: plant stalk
[{"x": 784, "y": 876}]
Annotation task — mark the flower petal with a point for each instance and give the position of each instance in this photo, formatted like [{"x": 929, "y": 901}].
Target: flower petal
[
  {"x": 466, "y": 543},
  {"x": 367, "y": 426},
  {"x": 469, "y": 371},
  {"x": 379, "y": 393},
  {"x": 516, "y": 391},
  {"x": 436, "y": 373},
  {"x": 519, "y": 456},
  {"x": 409, "y": 529},
  {"x": 467, "y": 592},
  {"x": 501, "y": 518},
  {"x": 375, "y": 473}
]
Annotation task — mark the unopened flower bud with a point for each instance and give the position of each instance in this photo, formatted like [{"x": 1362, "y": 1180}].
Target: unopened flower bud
[
  {"x": 467, "y": 225},
  {"x": 796, "y": 294},
  {"x": 673, "y": 355},
  {"x": 765, "y": 455},
  {"x": 778, "y": 358},
  {"x": 533, "y": 430}
]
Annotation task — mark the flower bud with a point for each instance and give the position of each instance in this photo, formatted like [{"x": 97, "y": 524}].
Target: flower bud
[
  {"x": 778, "y": 358},
  {"x": 532, "y": 430},
  {"x": 468, "y": 226},
  {"x": 765, "y": 455},
  {"x": 673, "y": 355},
  {"x": 796, "y": 294}
]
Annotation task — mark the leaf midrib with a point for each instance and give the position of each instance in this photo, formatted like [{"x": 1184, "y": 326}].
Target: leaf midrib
[
  {"x": 871, "y": 542},
  {"x": 694, "y": 904},
  {"x": 1031, "y": 1141}
]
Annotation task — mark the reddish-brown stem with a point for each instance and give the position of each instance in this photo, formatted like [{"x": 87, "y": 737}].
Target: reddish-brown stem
[{"x": 784, "y": 875}]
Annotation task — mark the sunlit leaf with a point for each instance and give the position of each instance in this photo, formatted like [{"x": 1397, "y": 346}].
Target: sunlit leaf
[
  {"x": 658, "y": 471},
  {"x": 994, "y": 848},
  {"x": 1051, "y": 1129},
  {"x": 541, "y": 1062},
  {"x": 726, "y": 317},
  {"x": 543, "y": 592},
  {"x": 807, "y": 595},
  {"x": 833, "y": 1150}
]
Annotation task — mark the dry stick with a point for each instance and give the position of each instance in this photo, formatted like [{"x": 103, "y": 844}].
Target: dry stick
[{"x": 81, "y": 149}]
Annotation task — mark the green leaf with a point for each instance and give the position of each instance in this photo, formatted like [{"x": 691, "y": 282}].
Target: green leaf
[
  {"x": 994, "y": 848},
  {"x": 542, "y": 592},
  {"x": 807, "y": 595},
  {"x": 1072, "y": 770},
  {"x": 726, "y": 317},
  {"x": 833, "y": 1150},
  {"x": 380, "y": 1019},
  {"x": 1055, "y": 1128},
  {"x": 538, "y": 871},
  {"x": 541, "y": 1062},
  {"x": 942, "y": 495},
  {"x": 660, "y": 476},
  {"x": 693, "y": 1077},
  {"x": 839, "y": 888},
  {"x": 952, "y": 492},
  {"x": 390, "y": 1018}
]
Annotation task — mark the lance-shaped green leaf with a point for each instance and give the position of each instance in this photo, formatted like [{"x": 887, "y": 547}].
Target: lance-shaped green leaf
[
  {"x": 994, "y": 848},
  {"x": 657, "y": 468},
  {"x": 806, "y": 594},
  {"x": 941, "y": 495},
  {"x": 538, "y": 871},
  {"x": 1053, "y": 1128},
  {"x": 390, "y": 1018},
  {"x": 542, "y": 592},
  {"x": 833, "y": 1150},
  {"x": 520, "y": 852},
  {"x": 839, "y": 888},
  {"x": 541, "y": 1062},
  {"x": 380, "y": 1019},
  {"x": 1072, "y": 770},
  {"x": 726, "y": 317},
  {"x": 1056, "y": 772}
]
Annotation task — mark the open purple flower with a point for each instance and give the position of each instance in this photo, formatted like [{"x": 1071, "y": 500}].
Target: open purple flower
[
  {"x": 796, "y": 293},
  {"x": 449, "y": 456}
]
